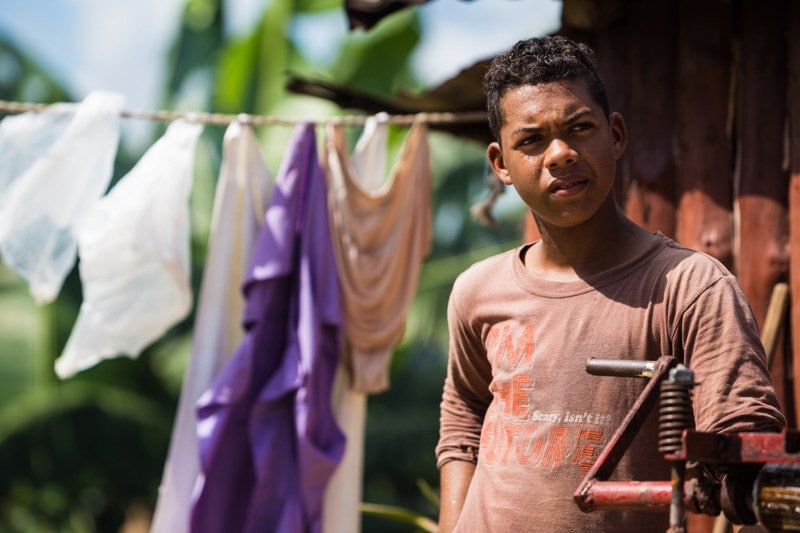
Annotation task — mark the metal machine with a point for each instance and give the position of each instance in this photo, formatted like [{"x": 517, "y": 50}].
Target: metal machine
[{"x": 760, "y": 471}]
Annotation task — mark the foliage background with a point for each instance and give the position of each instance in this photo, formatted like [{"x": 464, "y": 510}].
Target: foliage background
[{"x": 86, "y": 454}]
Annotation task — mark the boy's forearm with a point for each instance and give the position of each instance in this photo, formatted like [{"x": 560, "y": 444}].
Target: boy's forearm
[{"x": 455, "y": 477}]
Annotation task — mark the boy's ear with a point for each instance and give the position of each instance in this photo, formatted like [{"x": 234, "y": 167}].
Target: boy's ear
[
  {"x": 495, "y": 156},
  {"x": 619, "y": 132}
]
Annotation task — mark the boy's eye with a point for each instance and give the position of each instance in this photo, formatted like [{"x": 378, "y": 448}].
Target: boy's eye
[
  {"x": 531, "y": 139},
  {"x": 581, "y": 126}
]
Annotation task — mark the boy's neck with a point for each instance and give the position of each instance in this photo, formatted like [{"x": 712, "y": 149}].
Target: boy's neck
[{"x": 568, "y": 254}]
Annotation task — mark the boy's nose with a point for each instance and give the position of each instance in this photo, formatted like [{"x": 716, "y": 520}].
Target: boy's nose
[{"x": 559, "y": 153}]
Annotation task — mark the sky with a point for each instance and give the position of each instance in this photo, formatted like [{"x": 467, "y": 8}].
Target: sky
[
  {"x": 119, "y": 45},
  {"x": 87, "y": 46}
]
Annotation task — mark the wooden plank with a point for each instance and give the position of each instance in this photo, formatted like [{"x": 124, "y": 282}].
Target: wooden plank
[
  {"x": 590, "y": 14},
  {"x": 793, "y": 99},
  {"x": 612, "y": 44},
  {"x": 650, "y": 199},
  {"x": 530, "y": 232},
  {"x": 761, "y": 225},
  {"x": 703, "y": 150}
]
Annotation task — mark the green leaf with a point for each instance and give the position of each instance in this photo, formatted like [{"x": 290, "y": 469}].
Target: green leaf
[
  {"x": 44, "y": 402},
  {"x": 377, "y": 61},
  {"x": 401, "y": 515},
  {"x": 235, "y": 82},
  {"x": 253, "y": 70},
  {"x": 428, "y": 492},
  {"x": 316, "y": 6},
  {"x": 273, "y": 56}
]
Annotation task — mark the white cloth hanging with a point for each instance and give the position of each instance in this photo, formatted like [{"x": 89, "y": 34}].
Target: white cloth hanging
[
  {"x": 243, "y": 189},
  {"x": 134, "y": 256},
  {"x": 56, "y": 163},
  {"x": 340, "y": 504},
  {"x": 369, "y": 158}
]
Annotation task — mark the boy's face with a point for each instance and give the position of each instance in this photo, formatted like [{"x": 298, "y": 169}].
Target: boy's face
[{"x": 558, "y": 150}]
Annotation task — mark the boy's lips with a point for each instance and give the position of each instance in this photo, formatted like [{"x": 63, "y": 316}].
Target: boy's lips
[{"x": 565, "y": 187}]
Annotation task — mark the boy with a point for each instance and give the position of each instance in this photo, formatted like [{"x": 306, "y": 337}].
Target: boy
[{"x": 521, "y": 420}]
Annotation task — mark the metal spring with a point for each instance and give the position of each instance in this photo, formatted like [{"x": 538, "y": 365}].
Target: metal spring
[{"x": 675, "y": 415}]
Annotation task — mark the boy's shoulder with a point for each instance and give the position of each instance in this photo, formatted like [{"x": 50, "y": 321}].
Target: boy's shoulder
[
  {"x": 493, "y": 264},
  {"x": 693, "y": 261},
  {"x": 488, "y": 271},
  {"x": 487, "y": 278}
]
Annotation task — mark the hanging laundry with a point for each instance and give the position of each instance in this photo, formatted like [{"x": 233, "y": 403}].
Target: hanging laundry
[
  {"x": 268, "y": 440},
  {"x": 381, "y": 237},
  {"x": 342, "y": 499},
  {"x": 341, "y": 504},
  {"x": 134, "y": 256},
  {"x": 243, "y": 189},
  {"x": 369, "y": 158},
  {"x": 56, "y": 163},
  {"x": 26, "y": 138}
]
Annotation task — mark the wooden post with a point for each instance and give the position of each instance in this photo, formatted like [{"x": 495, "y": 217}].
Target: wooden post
[
  {"x": 612, "y": 45},
  {"x": 650, "y": 199},
  {"x": 761, "y": 224},
  {"x": 793, "y": 99},
  {"x": 704, "y": 170}
]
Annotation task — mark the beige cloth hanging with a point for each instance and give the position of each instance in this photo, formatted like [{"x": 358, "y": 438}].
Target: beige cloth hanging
[{"x": 380, "y": 238}]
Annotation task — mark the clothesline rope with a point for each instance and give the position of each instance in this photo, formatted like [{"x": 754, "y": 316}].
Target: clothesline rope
[{"x": 266, "y": 120}]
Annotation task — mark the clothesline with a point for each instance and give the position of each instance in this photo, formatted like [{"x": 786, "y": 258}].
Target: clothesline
[
  {"x": 133, "y": 242},
  {"x": 268, "y": 120}
]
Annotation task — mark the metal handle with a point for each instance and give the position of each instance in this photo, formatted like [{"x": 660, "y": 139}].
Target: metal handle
[{"x": 620, "y": 368}]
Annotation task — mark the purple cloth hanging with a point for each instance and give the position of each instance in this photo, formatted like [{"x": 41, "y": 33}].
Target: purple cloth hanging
[{"x": 268, "y": 440}]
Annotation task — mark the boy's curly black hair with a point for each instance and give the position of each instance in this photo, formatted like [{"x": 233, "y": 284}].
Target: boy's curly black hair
[{"x": 540, "y": 60}]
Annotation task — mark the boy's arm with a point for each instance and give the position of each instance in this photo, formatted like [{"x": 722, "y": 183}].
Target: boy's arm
[
  {"x": 465, "y": 399},
  {"x": 734, "y": 390},
  {"x": 454, "y": 479}
]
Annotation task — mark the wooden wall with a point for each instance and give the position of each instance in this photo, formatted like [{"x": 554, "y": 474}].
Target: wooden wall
[{"x": 710, "y": 90}]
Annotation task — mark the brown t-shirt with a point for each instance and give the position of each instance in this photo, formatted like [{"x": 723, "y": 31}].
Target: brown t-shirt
[{"x": 518, "y": 397}]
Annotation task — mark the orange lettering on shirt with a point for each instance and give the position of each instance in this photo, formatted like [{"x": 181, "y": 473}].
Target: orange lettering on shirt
[
  {"x": 492, "y": 338},
  {"x": 556, "y": 448},
  {"x": 521, "y": 385},
  {"x": 489, "y": 442},
  {"x": 495, "y": 343},
  {"x": 500, "y": 346},
  {"x": 536, "y": 447},
  {"x": 511, "y": 431},
  {"x": 513, "y": 396},
  {"x": 589, "y": 442},
  {"x": 531, "y": 452},
  {"x": 506, "y": 442},
  {"x": 503, "y": 390}
]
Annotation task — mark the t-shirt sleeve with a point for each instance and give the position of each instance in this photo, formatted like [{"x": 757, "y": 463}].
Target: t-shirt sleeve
[
  {"x": 734, "y": 391},
  {"x": 466, "y": 394}
]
